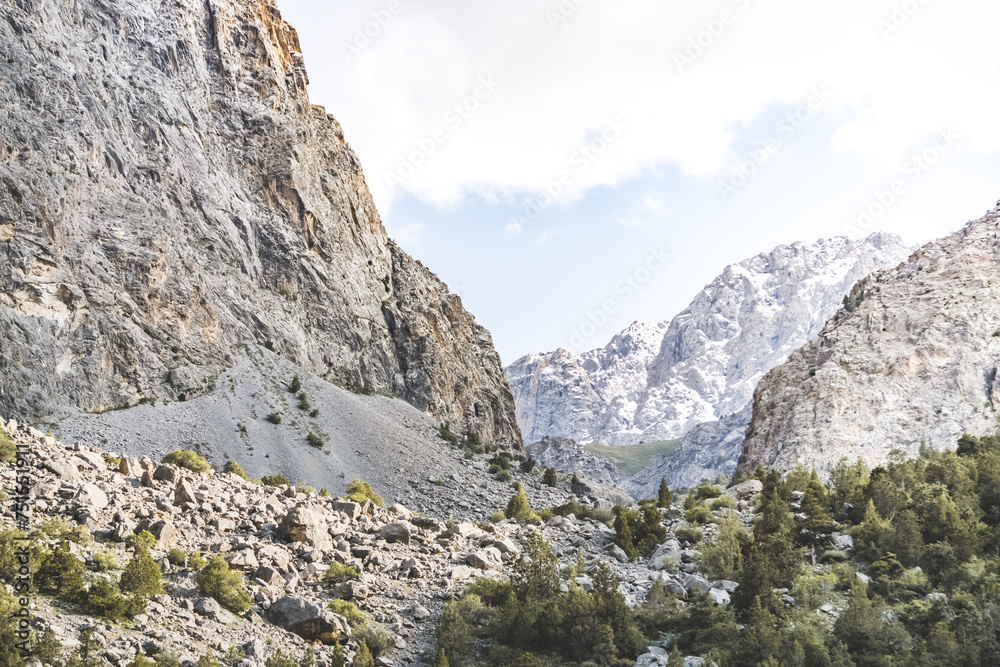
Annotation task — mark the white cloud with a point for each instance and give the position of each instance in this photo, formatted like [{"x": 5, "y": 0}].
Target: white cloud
[{"x": 557, "y": 88}]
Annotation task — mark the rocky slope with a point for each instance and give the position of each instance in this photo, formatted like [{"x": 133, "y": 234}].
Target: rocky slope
[
  {"x": 662, "y": 381},
  {"x": 911, "y": 359},
  {"x": 282, "y": 541},
  {"x": 167, "y": 192}
]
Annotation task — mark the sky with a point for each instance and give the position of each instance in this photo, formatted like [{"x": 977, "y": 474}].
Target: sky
[{"x": 571, "y": 166}]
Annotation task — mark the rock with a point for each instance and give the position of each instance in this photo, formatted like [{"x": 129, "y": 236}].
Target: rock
[
  {"x": 830, "y": 398},
  {"x": 461, "y": 573},
  {"x": 125, "y": 467},
  {"x": 308, "y": 620},
  {"x": 420, "y": 613},
  {"x": 654, "y": 656},
  {"x": 207, "y": 607},
  {"x": 270, "y": 577},
  {"x": 164, "y": 532},
  {"x": 745, "y": 490},
  {"x": 842, "y": 542},
  {"x": 695, "y": 583},
  {"x": 165, "y": 473},
  {"x": 90, "y": 495},
  {"x": 667, "y": 555},
  {"x": 351, "y": 509},
  {"x": 395, "y": 532},
  {"x": 244, "y": 560},
  {"x": 486, "y": 559},
  {"x": 304, "y": 525},
  {"x": 64, "y": 469},
  {"x": 352, "y": 590},
  {"x": 91, "y": 460},
  {"x": 257, "y": 649},
  {"x": 184, "y": 494},
  {"x": 147, "y": 479},
  {"x": 618, "y": 553},
  {"x": 506, "y": 547},
  {"x": 728, "y": 586},
  {"x": 719, "y": 596}
]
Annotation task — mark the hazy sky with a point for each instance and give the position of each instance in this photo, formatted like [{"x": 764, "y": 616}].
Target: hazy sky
[{"x": 547, "y": 159}]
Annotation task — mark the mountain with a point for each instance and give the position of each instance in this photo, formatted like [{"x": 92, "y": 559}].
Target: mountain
[
  {"x": 170, "y": 198},
  {"x": 661, "y": 381},
  {"x": 911, "y": 359}
]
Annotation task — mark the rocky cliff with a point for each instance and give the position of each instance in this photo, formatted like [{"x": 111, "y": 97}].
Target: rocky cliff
[
  {"x": 912, "y": 358},
  {"x": 168, "y": 193},
  {"x": 659, "y": 381}
]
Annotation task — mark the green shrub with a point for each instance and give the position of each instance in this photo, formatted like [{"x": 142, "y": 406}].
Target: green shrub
[
  {"x": 518, "y": 509},
  {"x": 363, "y": 658},
  {"x": 707, "y": 492},
  {"x": 208, "y": 660},
  {"x": 497, "y": 517},
  {"x": 112, "y": 461},
  {"x": 176, "y": 557},
  {"x": 663, "y": 496},
  {"x": 727, "y": 502},
  {"x": 233, "y": 655},
  {"x": 376, "y": 638},
  {"x": 295, "y": 386},
  {"x": 304, "y": 402},
  {"x": 338, "y": 573},
  {"x": 8, "y": 450},
  {"x": 141, "y": 540},
  {"x": 446, "y": 434},
  {"x": 280, "y": 659},
  {"x": 527, "y": 465},
  {"x": 359, "y": 492},
  {"x": 234, "y": 468},
  {"x": 274, "y": 418},
  {"x": 196, "y": 562},
  {"x": 104, "y": 561},
  {"x": 355, "y": 617},
  {"x": 142, "y": 575},
  {"x": 314, "y": 413},
  {"x": 503, "y": 476},
  {"x": 217, "y": 581},
  {"x": 61, "y": 574},
  {"x": 315, "y": 441},
  {"x": 189, "y": 459},
  {"x": 689, "y": 534},
  {"x": 274, "y": 480},
  {"x": 550, "y": 478},
  {"x": 104, "y": 599}
]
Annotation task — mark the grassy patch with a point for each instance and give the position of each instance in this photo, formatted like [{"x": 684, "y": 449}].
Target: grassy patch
[{"x": 630, "y": 459}]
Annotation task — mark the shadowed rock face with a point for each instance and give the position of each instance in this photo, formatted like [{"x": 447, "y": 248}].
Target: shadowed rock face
[
  {"x": 167, "y": 192},
  {"x": 911, "y": 359}
]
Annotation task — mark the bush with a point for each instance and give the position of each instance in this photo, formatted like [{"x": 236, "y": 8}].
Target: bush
[
  {"x": 304, "y": 402},
  {"x": 217, "y": 581},
  {"x": 446, "y": 434},
  {"x": 274, "y": 418},
  {"x": 363, "y": 658},
  {"x": 141, "y": 540},
  {"x": 142, "y": 574},
  {"x": 295, "y": 386},
  {"x": 355, "y": 617},
  {"x": 503, "y": 476},
  {"x": 196, "y": 562},
  {"x": 274, "y": 480},
  {"x": 315, "y": 441},
  {"x": 208, "y": 660},
  {"x": 528, "y": 465},
  {"x": 376, "y": 638},
  {"x": 104, "y": 561},
  {"x": 61, "y": 574},
  {"x": 280, "y": 659},
  {"x": 689, "y": 534},
  {"x": 359, "y": 492},
  {"x": 518, "y": 509},
  {"x": 104, "y": 599},
  {"x": 176, "y": 557},
  {"x": 189, "y": 459},
  {"x": 339, "y": 573},
  {"x": 550, "y": 477},
  {"x": 234, "y": 468},
  {"x": 8, "y": 450}
]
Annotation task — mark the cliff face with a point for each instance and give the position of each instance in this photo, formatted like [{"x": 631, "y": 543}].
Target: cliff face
[
  {"x": 911, "y": 359},
  {"x": 168, "y": 193}
]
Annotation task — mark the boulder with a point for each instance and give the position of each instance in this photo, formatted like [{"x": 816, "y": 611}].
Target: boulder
[
  {"x": 207, "y": 607},
  {"x": 350, "y": 508},
  {"x": 63, "y": 469},
  {"x": 745, "y": 489},
  {"x": 695, "y": 583},
  {"x": 147, "y": 479},
  {"x": 301, "y": 524},
  {"x": 163, "y": 531},
  {"x": 395, "y": 532},
  {"x": 308, "y": 620},
  {"x": 125, "y": 467},
  {"x": 461, "y": 573},
  {"x": 269, "y": 577},
  {"x": 91, "y": 496},
  {"x": 719, "y": 597},
  {"x": 486, "y": 559},
  {"x": 655, "y": 656},
  {"x": 728, "y": 586},
  {"x": 184, "y": 494},
  {"x": 244, "y": 560},
  {"x": 165, "y": 473},
  {"x": 666, "y": 554}
]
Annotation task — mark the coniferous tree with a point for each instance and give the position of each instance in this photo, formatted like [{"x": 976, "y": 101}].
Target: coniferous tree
[
  {"x": 363, "y": 658},
  {"x": 517, "y": 507},
  {"x": 550, "y": 478},
  {"x": 815, "y": 532},
  {"x": 663, "y": 496},
  {"x": 61, "y": 574},
  {"x": 142, "y": 575}
]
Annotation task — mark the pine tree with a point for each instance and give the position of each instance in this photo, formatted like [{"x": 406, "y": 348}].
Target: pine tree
[
  {"x": 675, "y": 660},
  {"x": 550, "y": 477},
  {"x": 442, "y": 660},
  {"x": 518, "y": 508},
  {"x": 871, "y": 536},
  {"x": 815, "y": 531},
  {"x": 141, "y": 575},
  {"x": 364, "y": 656},
  {"x": 663, "y": 497},
  {"x": 61, "y": 574}
]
